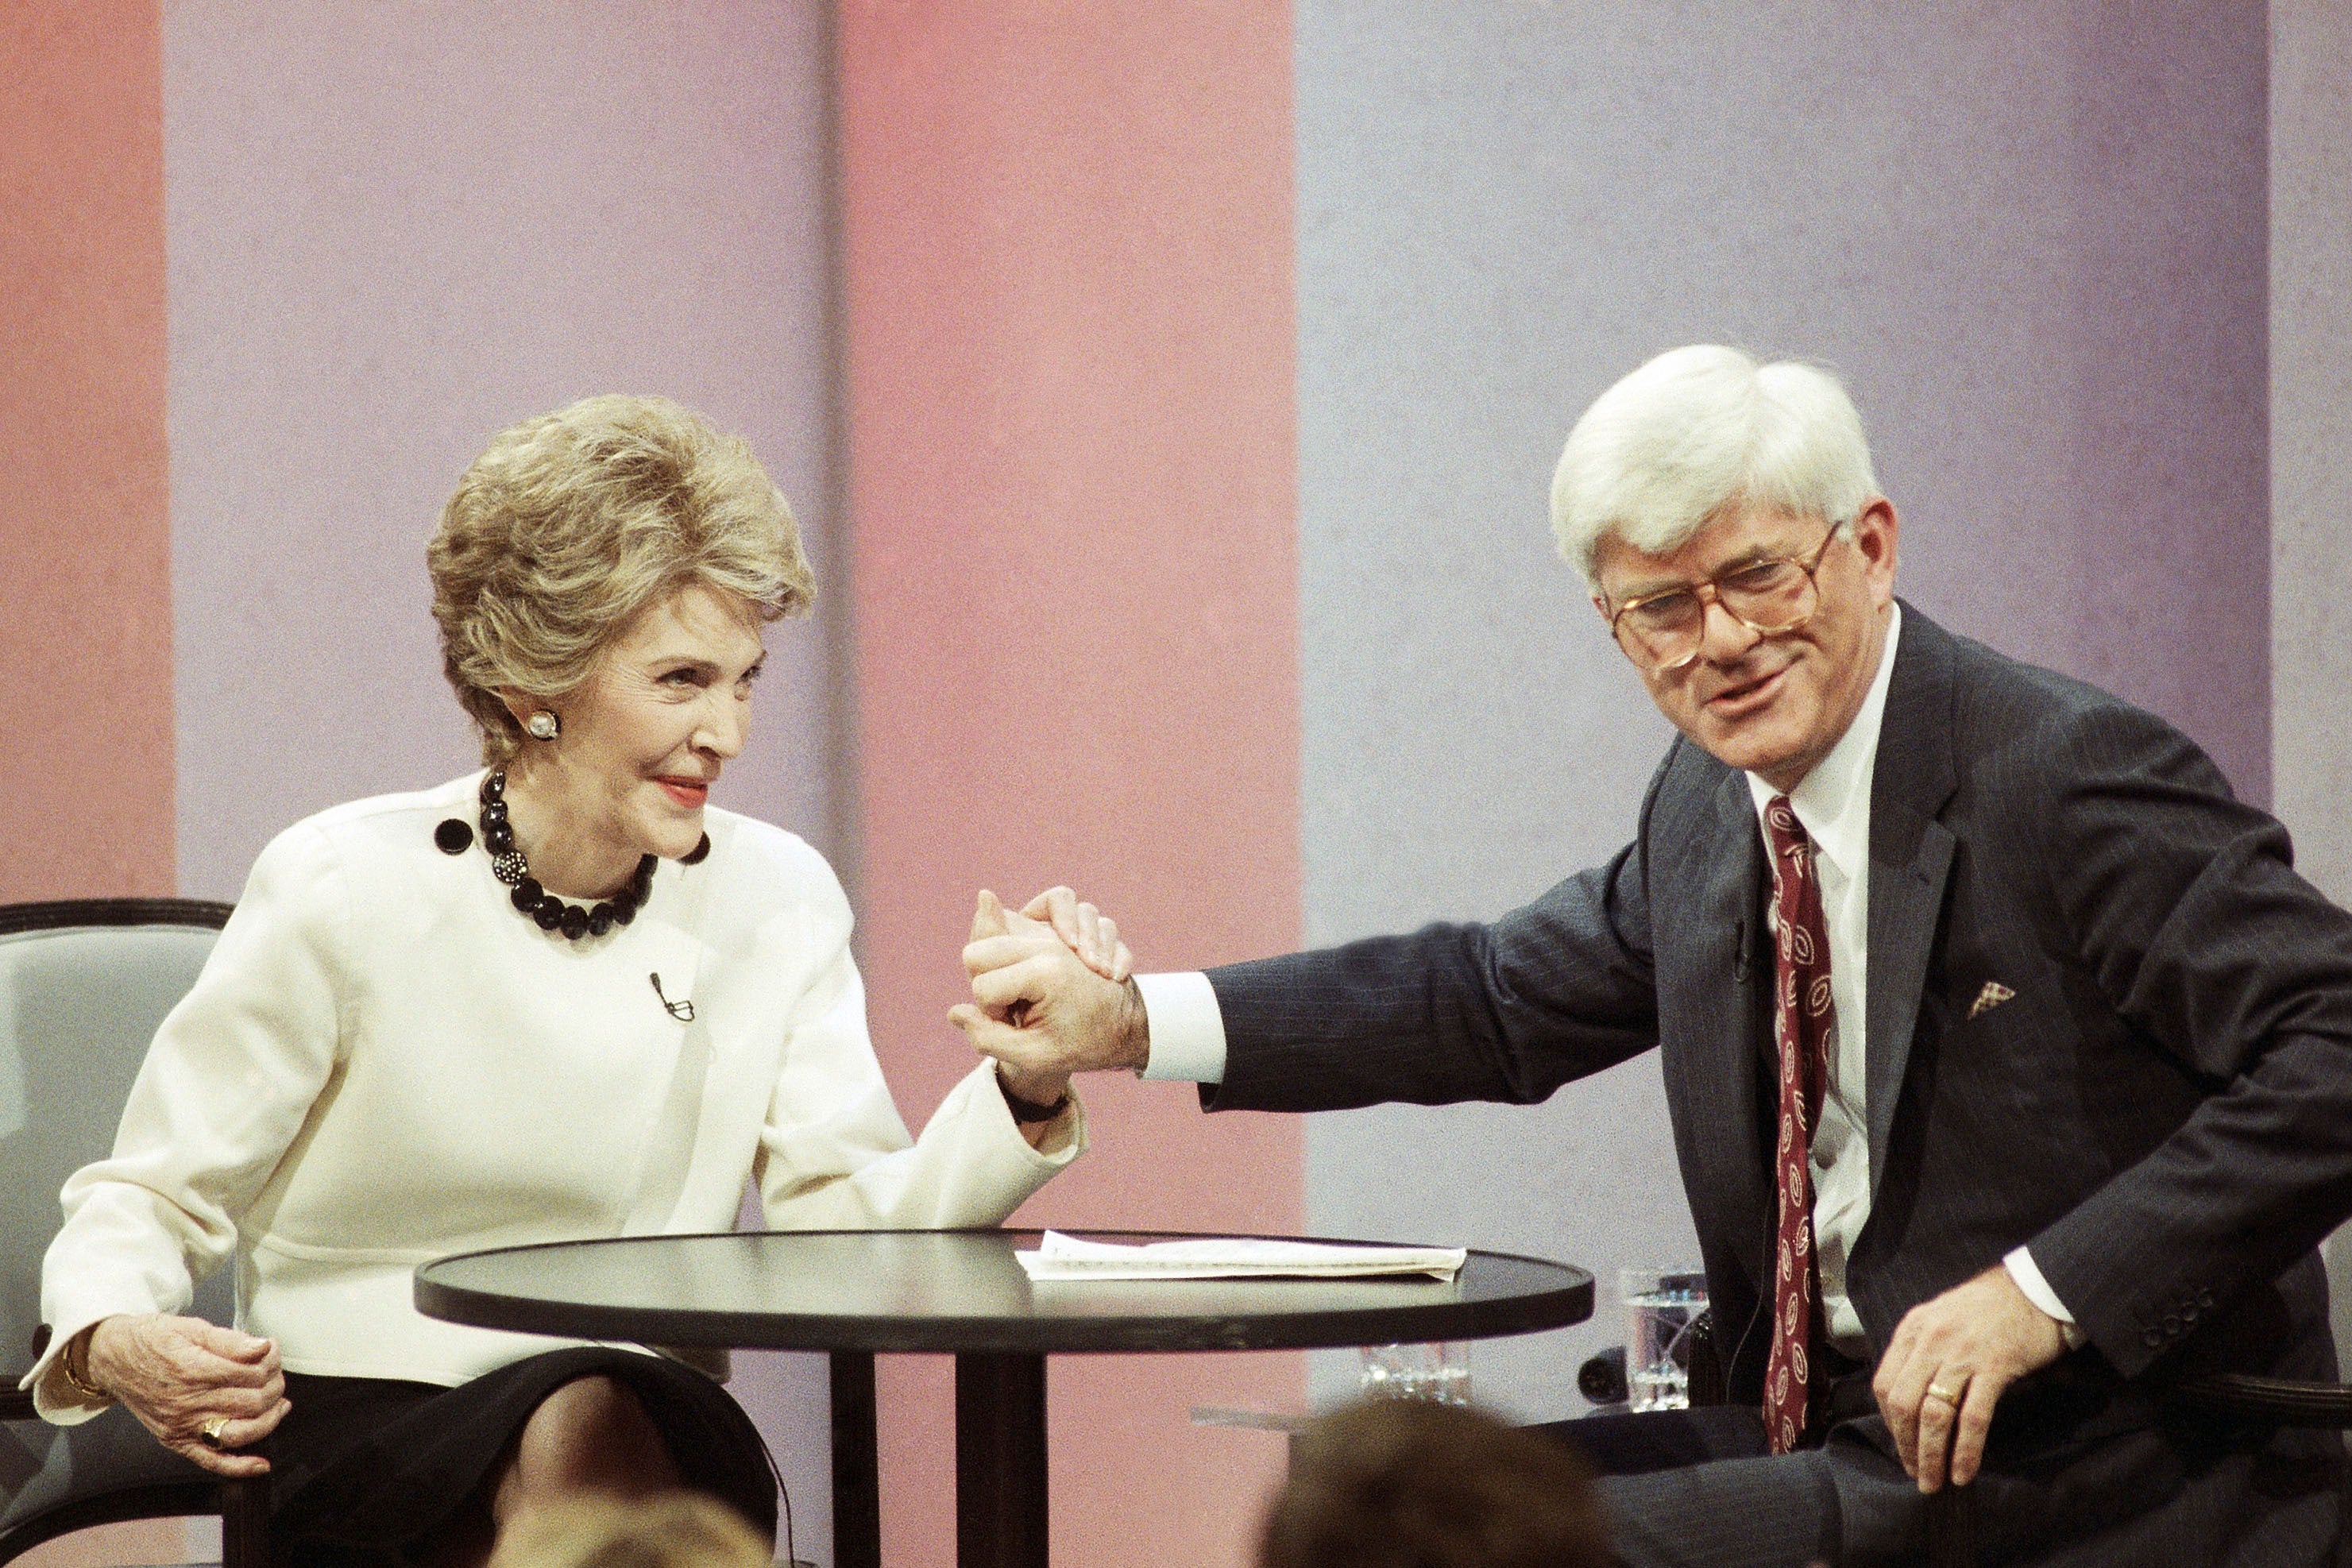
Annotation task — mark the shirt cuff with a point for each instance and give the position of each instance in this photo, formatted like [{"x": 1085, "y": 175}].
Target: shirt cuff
[
  {"x": 1187, "y": 1030},
  {"x": 2028, "y": 1275},
  {"x": 56, "y": 1400}
]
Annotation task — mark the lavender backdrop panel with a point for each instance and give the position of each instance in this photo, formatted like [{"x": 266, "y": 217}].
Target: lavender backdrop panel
[
  {"x": 2311, "y": 485},
  {"x": 2311, "y": 430},
  {"x": 394, "y": 230},
  {"x": 2031, "y": 237}
]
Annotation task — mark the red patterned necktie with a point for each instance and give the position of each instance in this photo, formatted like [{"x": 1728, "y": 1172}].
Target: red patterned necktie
[{"x": 1801, "y": 1019}]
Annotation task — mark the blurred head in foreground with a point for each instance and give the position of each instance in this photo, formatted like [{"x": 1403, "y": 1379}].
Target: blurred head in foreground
[
  {"x": 1397, "y": 1483},
  {"x": 670, "y": 1530}
]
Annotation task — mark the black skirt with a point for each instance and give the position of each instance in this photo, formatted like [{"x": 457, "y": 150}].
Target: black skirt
[{"x": 365, "y": 1470}]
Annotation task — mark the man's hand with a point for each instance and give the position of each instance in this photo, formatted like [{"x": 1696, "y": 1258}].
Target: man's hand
[
  {"x": 1039, "y": 1008},
  {"x": 178, "y": 1374},
  {"x": 1947, "y": 1365},
  {"x": 1086, "y": 930}
]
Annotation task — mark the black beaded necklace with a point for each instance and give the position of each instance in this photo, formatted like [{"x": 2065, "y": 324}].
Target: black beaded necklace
[{"x": 552, "y": 913}]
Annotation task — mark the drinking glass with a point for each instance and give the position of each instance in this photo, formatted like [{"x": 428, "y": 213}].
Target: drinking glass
[
  {"x": 1660, "y": 1307},
  {"x": 1436, "y": 1372}
]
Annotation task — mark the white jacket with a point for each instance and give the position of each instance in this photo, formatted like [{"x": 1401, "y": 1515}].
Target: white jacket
[{"x": 383, "y": 1063}]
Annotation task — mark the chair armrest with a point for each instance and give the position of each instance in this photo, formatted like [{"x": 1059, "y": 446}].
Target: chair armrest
[{"x": 2282, "y": 1400}]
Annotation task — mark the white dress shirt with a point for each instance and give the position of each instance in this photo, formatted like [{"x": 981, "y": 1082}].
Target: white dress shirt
[{"x": 1833, "y": 801}]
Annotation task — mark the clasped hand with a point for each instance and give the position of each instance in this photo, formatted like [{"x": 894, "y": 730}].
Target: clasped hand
[
  {"x": 1051, "y": 993},
  {"x": 176, "y": 1375}
]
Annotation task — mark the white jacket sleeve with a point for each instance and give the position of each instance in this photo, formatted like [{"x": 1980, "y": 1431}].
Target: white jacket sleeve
[
  {"x": 226, "y": 1087},
  {"x": 834, "y": 1153}
]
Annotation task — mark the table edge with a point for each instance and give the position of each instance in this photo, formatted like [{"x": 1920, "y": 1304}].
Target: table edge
[{"x": 1569, "y": 1304}]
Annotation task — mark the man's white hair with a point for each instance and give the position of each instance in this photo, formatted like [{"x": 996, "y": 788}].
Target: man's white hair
[{"x": 1698, "y": 429}]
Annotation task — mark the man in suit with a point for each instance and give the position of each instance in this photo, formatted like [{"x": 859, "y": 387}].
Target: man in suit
[{"x": 2009, "y": 1062}]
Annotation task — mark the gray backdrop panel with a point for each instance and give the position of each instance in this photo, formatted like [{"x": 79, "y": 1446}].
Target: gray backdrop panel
[{"x": 2033, "y": 240}]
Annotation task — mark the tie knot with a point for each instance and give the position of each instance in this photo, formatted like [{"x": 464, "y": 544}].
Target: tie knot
[{"x": 1788, "y": 834}]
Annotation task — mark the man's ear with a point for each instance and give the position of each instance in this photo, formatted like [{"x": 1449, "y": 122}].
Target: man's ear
[{"x": 1876, "y": 531}]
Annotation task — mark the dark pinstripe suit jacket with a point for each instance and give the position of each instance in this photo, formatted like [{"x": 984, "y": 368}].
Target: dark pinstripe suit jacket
[{"x": 2163, "y": 1110}]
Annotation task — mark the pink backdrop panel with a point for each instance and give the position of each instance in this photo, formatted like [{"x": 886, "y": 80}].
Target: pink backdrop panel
[
  {"x": 84, "y": 532},
  {"x": 1070, "y": 331}
]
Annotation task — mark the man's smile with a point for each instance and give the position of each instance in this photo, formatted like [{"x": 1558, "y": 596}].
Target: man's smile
[{"x": 1746, "y": 696}]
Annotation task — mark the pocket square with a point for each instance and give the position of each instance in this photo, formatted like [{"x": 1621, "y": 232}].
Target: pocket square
[{"x": 1994, "y": 995}]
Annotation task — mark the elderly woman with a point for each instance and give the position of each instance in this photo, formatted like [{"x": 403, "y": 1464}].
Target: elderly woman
[{"x": 561, "y": 997}]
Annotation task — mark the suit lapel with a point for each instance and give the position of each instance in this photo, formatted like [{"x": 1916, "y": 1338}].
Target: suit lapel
[
  {"x": 1910, "y": 855},
  {"x": 1725, "y": 1034}
]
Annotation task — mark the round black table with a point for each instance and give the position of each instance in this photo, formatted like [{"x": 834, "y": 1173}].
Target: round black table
[{"x": 857, "y": 1292}]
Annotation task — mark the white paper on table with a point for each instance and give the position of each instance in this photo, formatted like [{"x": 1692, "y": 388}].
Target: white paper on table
[{"x": 1060, "y": 1257}]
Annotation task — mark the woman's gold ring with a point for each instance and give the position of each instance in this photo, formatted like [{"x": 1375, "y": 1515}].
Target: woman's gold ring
[
  {"x": 213, "y": 1430},
  {"x": 1946, "y": 1393}
]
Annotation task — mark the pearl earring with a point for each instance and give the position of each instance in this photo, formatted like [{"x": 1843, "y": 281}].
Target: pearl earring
[{"x": 543, "y": 725}]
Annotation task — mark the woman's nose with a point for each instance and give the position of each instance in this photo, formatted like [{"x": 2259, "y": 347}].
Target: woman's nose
[{"x": 725, "y": 727}]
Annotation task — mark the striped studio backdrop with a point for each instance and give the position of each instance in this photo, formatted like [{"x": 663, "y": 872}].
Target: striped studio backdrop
[{"x": 1169, "y": 394}]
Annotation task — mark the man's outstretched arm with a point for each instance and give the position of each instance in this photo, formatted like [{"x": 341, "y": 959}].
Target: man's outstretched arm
[{"x": 1504, "y": 1012}]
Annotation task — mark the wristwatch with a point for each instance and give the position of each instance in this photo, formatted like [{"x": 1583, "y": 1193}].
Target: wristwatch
[{"x": 1028, "y": 1113}]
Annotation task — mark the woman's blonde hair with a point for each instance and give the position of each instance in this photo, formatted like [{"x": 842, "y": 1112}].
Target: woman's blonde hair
[
  {"x": 569, "y": 524},
  {"x": 668, "y": 1529}
]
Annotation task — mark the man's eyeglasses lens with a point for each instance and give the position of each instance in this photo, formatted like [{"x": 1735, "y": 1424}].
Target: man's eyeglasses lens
[{"x": 1770, "y": 597}]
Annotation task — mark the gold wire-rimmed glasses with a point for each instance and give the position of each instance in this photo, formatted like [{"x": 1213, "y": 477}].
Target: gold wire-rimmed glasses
[{"x": 1771, "y": 596}]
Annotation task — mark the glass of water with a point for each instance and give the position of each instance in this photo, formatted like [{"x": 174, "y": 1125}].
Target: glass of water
[
  {"x": 1661, "y": 1305},
  {"x": 1436, "y": 1372}
]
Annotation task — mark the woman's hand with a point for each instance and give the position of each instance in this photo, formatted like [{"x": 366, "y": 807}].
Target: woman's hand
[
  {"x": 1041, "y": 1010},
  {"x": 991, "y": 919},
  {"x": 176, "y": 1375}
]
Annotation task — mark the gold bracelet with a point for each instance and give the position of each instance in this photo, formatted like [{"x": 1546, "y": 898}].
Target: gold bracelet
[{"x": 77, "y": 1350}]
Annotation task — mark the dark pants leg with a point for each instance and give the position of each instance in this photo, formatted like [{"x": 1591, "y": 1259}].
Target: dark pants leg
[
  {"x": 2133, "y": 1492},
  {"x": 1697, "y": 1488}
]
